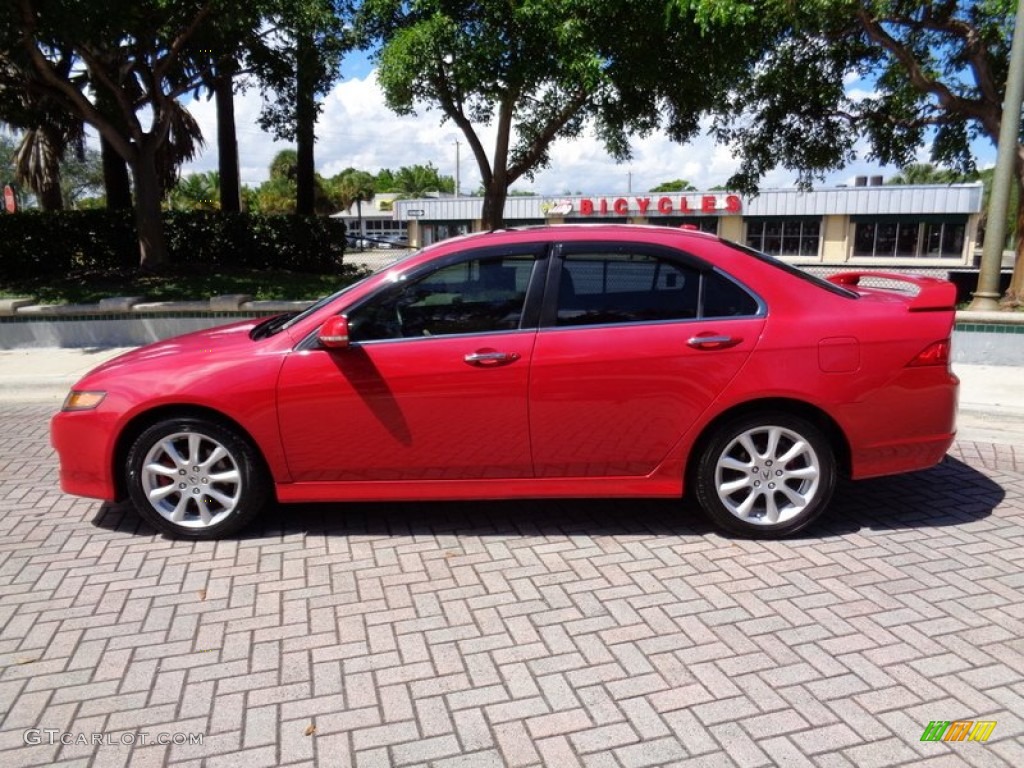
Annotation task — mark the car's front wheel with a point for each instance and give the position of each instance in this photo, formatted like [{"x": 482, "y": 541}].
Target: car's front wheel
[
  {"x": 195, "y": 479},
  {"x": 766, "y": 475}
]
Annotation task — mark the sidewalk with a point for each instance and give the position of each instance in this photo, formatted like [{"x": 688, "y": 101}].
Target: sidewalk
[{"x": 991, "y": 396}]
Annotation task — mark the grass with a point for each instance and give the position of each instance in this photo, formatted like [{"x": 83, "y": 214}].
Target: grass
[{"x": 177, "y": 284}]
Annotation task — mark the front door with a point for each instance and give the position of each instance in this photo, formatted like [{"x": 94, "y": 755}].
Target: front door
[{"x": 433, "y": 387}]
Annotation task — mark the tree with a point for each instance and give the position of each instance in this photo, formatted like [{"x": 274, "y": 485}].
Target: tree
[
  {"x": 8, "y": 147},
  {"x": 678, "y": 185},
  {"x": 277, "y": 195},
  {"x": 540, "y": 70},
  {"x": 927, "y": 173},
  {"x": 414, "y": 181},
  {"x": 47, "y": 132},
  {"x": 309, "y": 38},
  {"x": 938, "y": 72},
  {"x": 196, "y": 192},
  {"x": 229, "y": 177},
  {"x": 352, "y": 186},
  {"x": 120, "y": 66}
]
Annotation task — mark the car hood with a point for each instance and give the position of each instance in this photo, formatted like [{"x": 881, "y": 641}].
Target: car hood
[{"x": 223, "y": 341}]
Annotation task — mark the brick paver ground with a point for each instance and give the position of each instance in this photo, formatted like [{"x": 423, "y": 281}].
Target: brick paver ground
[{"x": 590, "y": 633}]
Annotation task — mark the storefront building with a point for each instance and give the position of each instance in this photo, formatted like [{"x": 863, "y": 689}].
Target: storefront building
[{"x": 919, "y": 227}]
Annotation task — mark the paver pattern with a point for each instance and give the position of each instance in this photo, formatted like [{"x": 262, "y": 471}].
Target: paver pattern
[{"x": 582, "y": 633}]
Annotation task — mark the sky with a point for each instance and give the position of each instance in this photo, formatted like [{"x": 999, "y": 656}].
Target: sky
[{"x": 356, "y": 129}]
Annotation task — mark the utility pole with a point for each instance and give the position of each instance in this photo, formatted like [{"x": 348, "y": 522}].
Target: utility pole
[
  {"x": 987, "y": 295},
  {"x": 457, "y": 164}
]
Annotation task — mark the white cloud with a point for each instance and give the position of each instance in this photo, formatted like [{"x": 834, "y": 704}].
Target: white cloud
[{"x": 356, "y": 129}]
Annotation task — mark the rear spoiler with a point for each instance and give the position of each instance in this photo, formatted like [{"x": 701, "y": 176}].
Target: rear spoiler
[{"x": 933, "y": 293}]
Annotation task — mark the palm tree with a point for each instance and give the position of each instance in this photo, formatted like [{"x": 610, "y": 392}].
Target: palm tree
[
  {"x": 47, "y": 135},
  {"x": 417, "y": 181},
  {"x": 196, "y": 192},
  {"x": 926, "y": 173},
  {"x": 352, "y": 186},
  {"x": 37, "y": 165}
]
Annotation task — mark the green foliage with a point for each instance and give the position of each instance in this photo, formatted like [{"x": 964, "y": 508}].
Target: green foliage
[
  {"x": 926, "y": 173},
  {"x": 677, "y": 185},
  {"x": 8, "y": 146},
  {"x": 278, "y": 194},
  {"x": 120, "y": 66},
  {"x": 308, "y": 37},
  {"x": 414, "y": 181},
  {"x": 540, "y": 70},
  {"x": 56, "y": 244},
  {"x": 285, "y": 165},
  {"x": 81, "y": 178},
  {"x": 186, "y": 282},
  {"x": 352, "y": 186},
  {"x": 936, "y": 73},
  {"x": 195, "y": 192}
]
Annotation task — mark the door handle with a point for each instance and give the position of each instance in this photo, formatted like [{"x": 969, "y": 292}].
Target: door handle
[
  {"x": 488, "y": 358},
  {"x": 711, "y": 341}
]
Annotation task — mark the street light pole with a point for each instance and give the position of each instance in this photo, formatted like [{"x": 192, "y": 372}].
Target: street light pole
[{"x": 987, "y": 295}]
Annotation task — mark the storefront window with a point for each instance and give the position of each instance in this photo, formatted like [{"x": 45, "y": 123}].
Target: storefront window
[
  {"x": 910, "y": 237},
  {"x": 944, "y": 240},
  {"x": 785, "y": 237}
]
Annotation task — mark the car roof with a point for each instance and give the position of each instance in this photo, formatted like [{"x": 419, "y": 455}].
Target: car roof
[{"x": 585, "y": 231}]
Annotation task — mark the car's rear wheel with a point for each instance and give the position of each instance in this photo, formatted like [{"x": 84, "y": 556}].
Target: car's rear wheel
[
  {"x": 195, "y": 479},
  {"x": 766, "y": 475}
]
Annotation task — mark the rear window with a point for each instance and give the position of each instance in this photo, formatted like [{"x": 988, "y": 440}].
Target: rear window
[{"x": 795, "y": 271}]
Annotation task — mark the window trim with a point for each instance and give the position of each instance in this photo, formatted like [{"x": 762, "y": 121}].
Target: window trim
[
  {"x": 549, "y": 310},
  {"x": 539, "y": 251}
]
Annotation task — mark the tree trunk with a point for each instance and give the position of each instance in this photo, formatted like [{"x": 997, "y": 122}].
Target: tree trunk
[
  {"x": 1015, "y": 292},
  {"x": 227, "y": 144},
  {"x": 493, "y": 214},
  {"x": 49, "y": 195},
  {"x": 305, "y": 125},
  {"x": 148, "y": 217},
  {"x": 115, "y": 178}
]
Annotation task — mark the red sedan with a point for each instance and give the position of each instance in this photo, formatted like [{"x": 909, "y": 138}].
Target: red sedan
[{"x": 566, "y": 361}]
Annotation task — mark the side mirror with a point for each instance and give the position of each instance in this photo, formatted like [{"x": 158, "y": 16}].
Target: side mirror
[{"x": 334, "y": 333}]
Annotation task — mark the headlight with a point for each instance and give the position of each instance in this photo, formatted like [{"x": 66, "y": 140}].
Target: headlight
[{"x": 82, "y": 401}]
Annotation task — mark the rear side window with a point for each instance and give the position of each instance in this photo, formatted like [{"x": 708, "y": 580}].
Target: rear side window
[
  {"x": 598, "y": 288},
  {"x": 625, "y": 288},
  {"x": 723, "y": 298}
]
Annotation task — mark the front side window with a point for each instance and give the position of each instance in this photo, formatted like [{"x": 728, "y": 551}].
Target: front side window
[
  {"x": 624, "y": 287},
  {"x": 483, "y": 295}
]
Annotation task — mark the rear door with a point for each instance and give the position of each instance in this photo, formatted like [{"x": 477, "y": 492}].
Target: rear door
[{"x": 636, "y": 342}]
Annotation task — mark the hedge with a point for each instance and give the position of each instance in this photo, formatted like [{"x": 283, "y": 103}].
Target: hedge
[{"x": 35, "y": 243}]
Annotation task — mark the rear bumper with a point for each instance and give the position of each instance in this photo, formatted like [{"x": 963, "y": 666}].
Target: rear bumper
[
  {"x": 909, "y": 425},
  {"x": 903, "y": 456}
]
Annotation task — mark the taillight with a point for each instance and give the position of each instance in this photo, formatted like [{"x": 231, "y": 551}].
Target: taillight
[{"x": 936, "y": 353}]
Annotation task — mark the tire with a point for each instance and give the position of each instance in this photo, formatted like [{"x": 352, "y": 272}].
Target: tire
[
  {"x": 195, "y": 479},
  {"x": 766, "y": 475}
]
